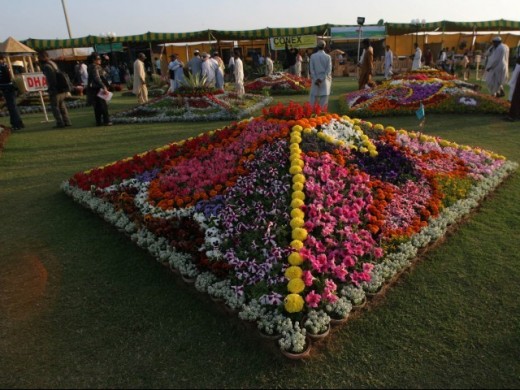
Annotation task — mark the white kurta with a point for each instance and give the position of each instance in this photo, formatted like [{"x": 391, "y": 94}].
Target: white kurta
[
  {"x": 497, "y": 68},
  {"x": 320, "y": 69},
  {"x": 209, "y": 70},
  {"x": 416, "y": 64},
  {"x": 389, "y": 61},
  {"x": 239, "y": 77},
  {"x": 269, "y": 66},
  {"x": 140, "y": 88}
]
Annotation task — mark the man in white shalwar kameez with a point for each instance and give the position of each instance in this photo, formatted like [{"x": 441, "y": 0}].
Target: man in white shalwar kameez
[
  {"x": 497, "y": 65},
  {"x": 321, "y": 76},
  {"x": 239, "y": 74},
  {"x": 416, "y": 64},
  {"x": 139, "y": 87},
  {"x": 389, "y": 61},
  {"x": 209, "y": 69}
]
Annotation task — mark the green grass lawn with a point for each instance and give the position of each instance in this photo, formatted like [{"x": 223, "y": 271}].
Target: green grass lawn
[{"x": 82, "y": 306}]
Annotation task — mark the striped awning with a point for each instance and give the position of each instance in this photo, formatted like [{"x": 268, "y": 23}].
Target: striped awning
[
  {"x": 265, "y": 33},
  {"x": 448, "y": 26}
]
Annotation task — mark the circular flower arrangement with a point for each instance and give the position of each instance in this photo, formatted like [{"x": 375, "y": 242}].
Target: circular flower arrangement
[
  {"x": 293, "y": 211},
  {"x": 279, "y": 84},
  {"x": 438, "y": 91}
]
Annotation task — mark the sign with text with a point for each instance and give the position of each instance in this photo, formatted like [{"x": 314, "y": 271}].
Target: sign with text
[
  {"x": 297, "y": 41},
  {"x": 104, "y": 48},
  {"x": 371, "y": 32},
  {"x": 34, "y": 82}
]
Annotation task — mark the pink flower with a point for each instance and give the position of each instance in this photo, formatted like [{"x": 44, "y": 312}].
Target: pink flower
[
  {"x": 313, "y": 299},
  {"x": 307, "y": 278}
]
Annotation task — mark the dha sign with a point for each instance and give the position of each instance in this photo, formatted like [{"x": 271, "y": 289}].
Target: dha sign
[
  {"x": 34, "y": 82},
  {"x": 297, "y": 41}
]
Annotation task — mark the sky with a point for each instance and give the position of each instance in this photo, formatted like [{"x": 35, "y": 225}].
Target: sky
[{"x": 45, "y": 19}]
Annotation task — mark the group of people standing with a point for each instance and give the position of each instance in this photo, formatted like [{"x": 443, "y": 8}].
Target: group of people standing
[{"x": 210, "y": 68}]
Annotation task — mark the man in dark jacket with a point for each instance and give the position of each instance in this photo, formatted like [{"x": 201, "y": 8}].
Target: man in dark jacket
[
  {"x": 57, "y": 97},
  {"x": 8, "y": 89}
]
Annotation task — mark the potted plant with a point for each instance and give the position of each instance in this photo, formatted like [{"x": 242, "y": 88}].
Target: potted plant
[
  {"x": 294, "y": 342},
  {"x": 339, "y": 310},
  {"x": 355, "y": 294},
  {"x": 317, "y": 324}
]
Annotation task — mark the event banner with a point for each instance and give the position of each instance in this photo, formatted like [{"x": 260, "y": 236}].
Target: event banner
[
  {"x": 298, "y": 41},
  {"x": 34, "y": 82},
  {"x": 372, "y": 32}
]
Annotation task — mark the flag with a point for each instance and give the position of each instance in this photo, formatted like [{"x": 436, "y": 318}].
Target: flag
[{"x": 420, "y": 112}]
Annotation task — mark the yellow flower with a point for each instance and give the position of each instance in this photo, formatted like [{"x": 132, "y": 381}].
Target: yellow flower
[
  {"x": 295, "y": 258},
  {"x": 298, "y": 195},
  {"x": 297, "y": 203},
  {"x": 296, "y": 138},
  {"x": 363, "y": 149},
  {"x": 296, "y": 244},
  {"x": 297, "y": 222},
  {"x": 293, "y": 272},
  {"x": 297, "y": 162},
  {"x": 390, "y": 129},
  {"x": 299, "y": 234},
  {"x": 307, "y": 130},
  {"x": 299, "y": 178},
  {"x": 293, "y": 303},
  {"x": 296, "y": 286},
  {"x": 297, "y": 213},
  {"x": 297, "y": 128},
  {"x": 373, "y": 153},
  {"x": 379, "y": 127},
  {"x": 297, "y": 186},
  {"x": 293, "y": 170}
]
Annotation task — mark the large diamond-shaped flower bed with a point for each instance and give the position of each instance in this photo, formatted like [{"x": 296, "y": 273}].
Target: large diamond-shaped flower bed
[
  {"x": 438, "y": 91},
  {"x": 292, "y": 214},
  {"x": 212, "y": 105},
  {"x": 279, "y": 84}
]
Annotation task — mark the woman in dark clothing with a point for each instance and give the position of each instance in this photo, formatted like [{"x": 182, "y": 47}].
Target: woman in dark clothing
[{"x": 97, "y": 82}]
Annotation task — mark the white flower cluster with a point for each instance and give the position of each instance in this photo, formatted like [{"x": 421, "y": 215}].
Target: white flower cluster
[
  {"x": 293, "y": 339},
  {"x": 316, "y": 322},
  {"x": 467, "y": 101},
  {"x": 252, "y": 311},
  {"x": 355, "y": 294},
  {"x": 340, "y": 308},
  {"x": 213, "y": 236}
]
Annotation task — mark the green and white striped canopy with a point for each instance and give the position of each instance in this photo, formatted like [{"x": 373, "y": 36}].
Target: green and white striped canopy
[{"x": 265, "y": 33}]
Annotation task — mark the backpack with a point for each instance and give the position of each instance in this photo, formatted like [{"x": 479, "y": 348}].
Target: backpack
[{"x": 63, "y": 83}]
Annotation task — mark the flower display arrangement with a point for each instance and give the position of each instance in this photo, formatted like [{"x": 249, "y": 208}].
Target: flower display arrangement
[
  {"x": 438, "y": 91},
  {"x": 293, "y": 212},
  {"x": 30, "y": 103},
  {"x": 190, "y": 105},
  {"x": 279, "y": 84}
]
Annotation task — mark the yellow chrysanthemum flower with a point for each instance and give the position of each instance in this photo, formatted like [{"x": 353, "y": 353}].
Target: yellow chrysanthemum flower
[
  {"x": 298, "y": 195},
  {"x": 373, "y": 153},
  {"x": 296, "y": 244},
  {"x": 297, "y": 203},
  {"x": 294, "y": 169},
  {"x": 297, "y": 222},
  {"x": 297, "y": 213},
  {"x": 402, "y": 131},
  {"x": 390, "y": 129},
  {"x": 297, "y": 128},
  {"x": 293, "y": 303},
  {"x": 296, "y": 286},
  {"x": 299, "y": 234},
  {"x": 297, "y": 186},
  {"x": 297, "y": 162},
  {"x": 379, "y": 127},
  {"x": 293, "y": 272},
  {"x": 299, "y": 178},
  {"x": 295, "y": 258},
  {"x": 363, "y": 149},
  {"x": 307, "y": 130}
]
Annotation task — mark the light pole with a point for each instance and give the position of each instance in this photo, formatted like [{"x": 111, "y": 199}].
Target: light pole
[
  {"x": 360, "y": 22},
  {"x": 418, "y": 23}
]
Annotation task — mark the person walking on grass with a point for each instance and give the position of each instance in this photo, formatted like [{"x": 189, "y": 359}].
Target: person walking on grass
[
  {"x": 8, "y": 89},
  {"x": 56, "y": 96},
  {"x": 140, "y": 89}
]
